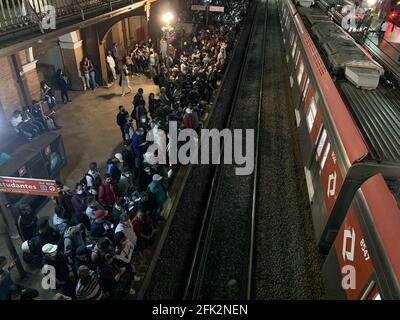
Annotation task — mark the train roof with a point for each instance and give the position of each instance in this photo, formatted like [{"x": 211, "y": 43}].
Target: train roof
[{"x": 377, "y": 114}]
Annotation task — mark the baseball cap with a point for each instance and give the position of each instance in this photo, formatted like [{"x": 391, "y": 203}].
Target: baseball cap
[
  {"x": 49, "y": 248},
  {"x": 157, "y": 177},
  {"x": 101, "y": 214},
  {"x": 25, "y": 246},
  {"x": 119, "y": 157}
]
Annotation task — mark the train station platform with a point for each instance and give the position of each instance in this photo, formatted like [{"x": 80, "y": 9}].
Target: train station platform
[{"x": 90, "y": 133}]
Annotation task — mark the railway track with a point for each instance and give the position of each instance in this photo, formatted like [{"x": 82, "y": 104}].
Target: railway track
[
  {"x": 222, "y": 264},
  {"x": 257, "y": 239},
  {"x": 287, "y": 264}
]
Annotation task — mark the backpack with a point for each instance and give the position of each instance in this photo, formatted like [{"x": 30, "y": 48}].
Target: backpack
[{"x": 96, "y": 180}]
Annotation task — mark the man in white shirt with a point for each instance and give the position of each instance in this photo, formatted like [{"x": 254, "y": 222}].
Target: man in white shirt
[
  {"x": 111, "y": 64},
  {"x": 125, "y": 226},
  {"x": 163, "y": 49}
]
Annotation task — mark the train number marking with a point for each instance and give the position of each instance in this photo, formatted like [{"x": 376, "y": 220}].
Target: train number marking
[
  {"x": 349, "y": 235},
  {"x": 332, "y": 185},
  {"x": 364, "y": 249}
]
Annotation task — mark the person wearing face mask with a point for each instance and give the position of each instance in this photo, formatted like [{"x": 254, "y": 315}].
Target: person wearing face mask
[
  {"x": 92, "y": 207},
  {"x": 108, "y": 193},
  {"x": 79, "y": 203}
]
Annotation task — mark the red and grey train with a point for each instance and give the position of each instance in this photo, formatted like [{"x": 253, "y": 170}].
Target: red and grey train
[{"x": 351, "y": 176}]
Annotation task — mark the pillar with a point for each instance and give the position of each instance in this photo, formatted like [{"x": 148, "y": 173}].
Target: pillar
[
  {"x": 72, "y": 52},
  {"x": 11, "y": 98},
  {"x": 102, "y": 58},
  {"x": 29, "y": 75}
]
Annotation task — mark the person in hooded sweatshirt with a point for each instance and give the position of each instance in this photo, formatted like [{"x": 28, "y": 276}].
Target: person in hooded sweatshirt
[
  {"x": 26, "y": 222},
  {"x": 79, "y": 203}
]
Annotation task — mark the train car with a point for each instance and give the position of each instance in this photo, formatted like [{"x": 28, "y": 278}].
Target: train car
[{"x": 352, "y": 170}]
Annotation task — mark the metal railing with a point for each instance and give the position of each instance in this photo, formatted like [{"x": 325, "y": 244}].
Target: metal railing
[{"x": 17, "y": 14}]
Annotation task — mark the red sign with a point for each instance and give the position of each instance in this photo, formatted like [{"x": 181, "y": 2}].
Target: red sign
[
  {"x": 36, "y": 187},
  {"x": 217, "y": 9}
]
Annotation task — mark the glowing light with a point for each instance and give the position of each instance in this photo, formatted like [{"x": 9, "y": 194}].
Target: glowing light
[
  {"x": 167, "y": 17},
  {"x": 371, "y": 2}
]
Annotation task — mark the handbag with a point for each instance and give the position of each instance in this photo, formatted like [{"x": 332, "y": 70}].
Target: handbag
[{"x": 50, "y": 124}]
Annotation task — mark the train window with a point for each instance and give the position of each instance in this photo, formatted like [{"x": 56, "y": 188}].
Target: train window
[
  {"x": 312, "y": 113},
  {"x": 321, "y": 143},
  {"x": 300, "y": 74},
  {"x": 291, "y": 37},
  {"x": 294, "y": 48},
  {"x": 306, "y": 85},
  {"x": 325, "y": 157},
  {"x": 297, "y": 57}
]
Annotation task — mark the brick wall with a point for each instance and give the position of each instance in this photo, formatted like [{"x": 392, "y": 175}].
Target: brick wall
[
  {"x": 9, "y": 90},
  {"x": 32, "y": 84}
]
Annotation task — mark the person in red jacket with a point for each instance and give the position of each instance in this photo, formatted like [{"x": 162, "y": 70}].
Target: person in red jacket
[
  {"x": 187, "y": 119},
  {"x": 108, "y": 193}
]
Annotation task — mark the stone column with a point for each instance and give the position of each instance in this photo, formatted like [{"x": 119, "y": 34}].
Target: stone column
[
  {"x": 72, "y": 52},
  {"x": 103, "y": 64}
]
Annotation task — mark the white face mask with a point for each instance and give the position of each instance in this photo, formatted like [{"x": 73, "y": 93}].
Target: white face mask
[{"x": 79, "y": 192}]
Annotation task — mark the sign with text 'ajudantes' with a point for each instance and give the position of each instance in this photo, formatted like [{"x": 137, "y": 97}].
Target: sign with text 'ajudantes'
[{"x": 37, "y": 187}]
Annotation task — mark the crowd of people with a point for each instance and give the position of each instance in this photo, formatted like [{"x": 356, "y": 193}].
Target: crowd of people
[{"x": 102, "y": 228}]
